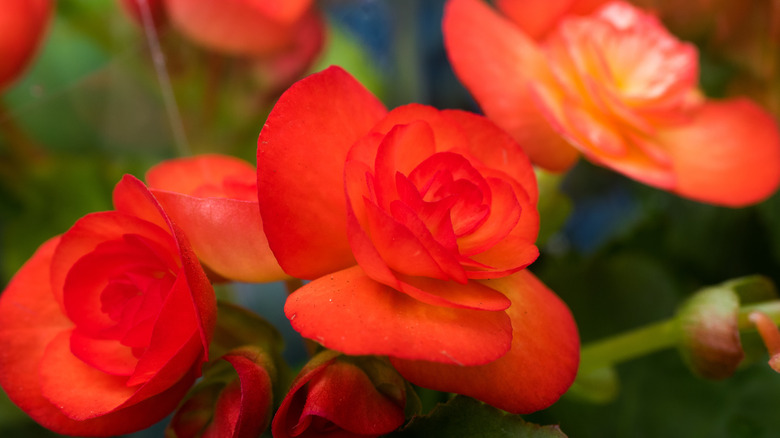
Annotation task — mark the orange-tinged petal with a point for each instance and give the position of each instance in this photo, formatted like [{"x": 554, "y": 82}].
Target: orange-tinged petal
[
  {"x": 213, "y": 198},
  {"x": 534, "y": 18},
  {"x": 494, "y": 60},
  {"x": 729, "y": 154},
  {"x": 235, "y": 27},
  {"x": 281, "y": 11},
  {"x": 226, "y": 234},
  {"x": 538, "y": 369},
  {"x": 301, "y": 154},
  {"x": 349, "y": 312}
]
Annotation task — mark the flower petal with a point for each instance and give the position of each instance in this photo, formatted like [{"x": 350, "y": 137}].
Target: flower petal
[
  {"x": 729, "y": 154},
  {"x": 301, "y": 154},
  {"x": 534, "y": 18},
  {"x": 349, "y": 312},
  {"x": 493, "y": 59},
  {"x": 226, "y": 234},
  {"x": 540, "y": 366}
]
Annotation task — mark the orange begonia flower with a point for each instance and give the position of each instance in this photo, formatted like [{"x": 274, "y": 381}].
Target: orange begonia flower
[
  {"x": 415, "y": 226},
  {"x": 615, "y": 86}
]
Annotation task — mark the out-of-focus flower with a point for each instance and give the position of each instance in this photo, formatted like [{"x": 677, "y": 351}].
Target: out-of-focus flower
[
  {"x": 283, "y": 38},
  {"x": 617, "y": 87},
  {"x": 105, "y": 328},
  {"x": 349, "y": 397},
  {"x": 438, "y": 209},
  {"x": 23, "y": 24},
  {"x": 228, "y": 403},
  {"x": 213, "y": 198}
]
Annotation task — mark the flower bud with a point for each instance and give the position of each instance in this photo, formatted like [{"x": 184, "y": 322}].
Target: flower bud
[
  {"x": 351, "y": 396},
  {"x": 233, "y": 400},
  {"x": 710, "y": 341}
]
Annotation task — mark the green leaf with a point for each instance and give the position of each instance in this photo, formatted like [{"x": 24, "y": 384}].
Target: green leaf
[{"x": 467, "y": 418}]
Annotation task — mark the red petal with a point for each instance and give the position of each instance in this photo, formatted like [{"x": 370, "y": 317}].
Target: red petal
[
  {"x": 729, "y": 154},
  {"x": 168, "y": 349},
  {"x": 61, "y": 373},
  {"x": 284, "y": 12},
  {"x": 343, "y": 394},
  {"x": 493, "y": 59},
  {"x": 446, "y": 135},
  {"x": 535, "y": 19},
  {"x": 209, "y": 175},
  {"x": 349, "y": 312},
  {"x": 226, "y": 234},
  {"x": 108, "y": 355},
  {"x": 301, "y": 154},
  {"x": 540, "y": 366},
  {"x": 243, "y": 409},
  {"x": 496, "y": 150}
]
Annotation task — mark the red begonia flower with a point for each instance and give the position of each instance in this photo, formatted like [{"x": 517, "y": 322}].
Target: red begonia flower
[
  {"x": 224, "y": 407},
  {"x": 105, "y": 328},
  {"x": 615, "y": 86},
  {"x": 335, "y": 395},
  {"x": 428, "y": 204},
  {"x": 23, "y": 24},
  {"x": 213, "y": 198}
]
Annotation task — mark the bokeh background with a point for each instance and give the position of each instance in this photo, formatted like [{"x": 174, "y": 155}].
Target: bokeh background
[{"x": 90, "y": 108}]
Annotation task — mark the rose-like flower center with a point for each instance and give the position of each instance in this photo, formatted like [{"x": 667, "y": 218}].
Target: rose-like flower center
[{"x": 114, "y": 295}]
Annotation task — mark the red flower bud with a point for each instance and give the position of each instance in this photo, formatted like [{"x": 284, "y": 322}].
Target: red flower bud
[{"x": 348, "y": 396}]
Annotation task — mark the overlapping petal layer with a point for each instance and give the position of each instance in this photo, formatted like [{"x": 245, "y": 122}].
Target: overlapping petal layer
[
  {"x": 537, "y": 370},
  {"x": 213, "y": 198},
  {"x": 104, "y": 329}
]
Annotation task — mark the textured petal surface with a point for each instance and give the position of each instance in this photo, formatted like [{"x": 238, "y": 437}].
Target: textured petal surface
[
  {"x": 351, "y": 313},
  {"x": 493, "y": 58},
  {"x": 300, "y": 165},
  {"x": 538, "y": 369},
  {"x": 213, "y": 198},
  {"x": 30, "y": 319},
  {"x": 729, "y": 154}
]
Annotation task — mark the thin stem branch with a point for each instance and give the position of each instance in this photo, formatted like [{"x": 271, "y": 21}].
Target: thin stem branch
[
  {"x": 158, "y": 59},
  {"x": 656, "y": 337}
]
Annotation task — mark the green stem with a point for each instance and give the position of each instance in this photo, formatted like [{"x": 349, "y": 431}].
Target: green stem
[
  {"x": 655, "y": 337},
  {"x": 629, "y": 345}
]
